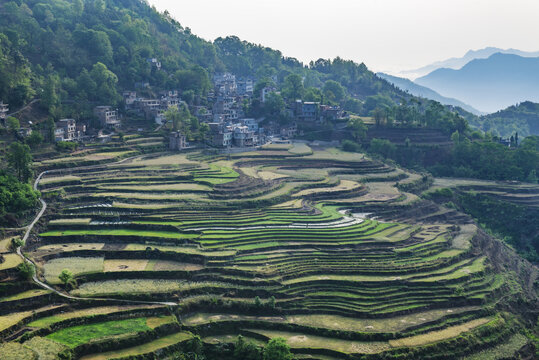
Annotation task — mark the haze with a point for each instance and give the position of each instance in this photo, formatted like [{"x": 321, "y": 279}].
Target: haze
[{"x": 388, "y": 35}]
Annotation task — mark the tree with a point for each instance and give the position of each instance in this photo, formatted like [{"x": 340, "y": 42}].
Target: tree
[
  {"x": 313, "y": 94},
  {"x": 258, "y": 302},
  {"x": 380, "y": 116},
  {"x": 34, "y": 139},
  {"x": 50, "y": 99},
  {"x": 203, "y": 130},
  {"x": 293, "y": 87},
  {"x": 277, "y": 349},
  {"x": 532, "y": 177},
  {"x": 50, "y": 127},
  {"x": 246, "y": 350},
  {"x": 26, "y": 270},
  {"x": 195, "y": 79},
  {"x": 16, "y": 243},
  {"x": 194, "y": 348},
  {"x": 383, "y": 147},
  {"x": 12, "y": 124},
  {"x": 333, "y": 91},
  {"x": 271, "y": 302},
  {"x": 20, "y": 160},
  {"x": 262, "y": 83},
  {"x": 180, "y": 117},
  {"x": 274, "y": 106},
  {"x": 455, "y": 137},
  {"x": 78, "y": 7},
  {"x": 105, "y": 82},
  {"x": 16, "y": 198},
  {"x": 358, "y": 127},
  {"x": 66, "y": 277}
]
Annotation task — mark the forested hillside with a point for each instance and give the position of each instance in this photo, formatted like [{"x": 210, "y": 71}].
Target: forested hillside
[
  {"x": 73, "y": 52},
  {"x": 521, "y": 118}
]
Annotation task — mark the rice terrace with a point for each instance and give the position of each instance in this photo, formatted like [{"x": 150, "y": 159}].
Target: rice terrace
[{"x": 332, "y": 251}]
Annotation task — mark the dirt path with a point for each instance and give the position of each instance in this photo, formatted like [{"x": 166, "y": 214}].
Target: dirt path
[
  {"x": 24, "y": 107},
  {"x": 48, "y": 287}
]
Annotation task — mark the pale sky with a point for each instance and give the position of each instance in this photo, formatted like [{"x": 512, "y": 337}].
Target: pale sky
[{"x": 387, "y": 35}]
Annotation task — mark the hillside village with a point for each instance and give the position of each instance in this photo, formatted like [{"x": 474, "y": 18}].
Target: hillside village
[{"x": 224, "y": 114}]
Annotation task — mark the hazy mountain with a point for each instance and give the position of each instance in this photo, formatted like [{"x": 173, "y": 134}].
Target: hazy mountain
[
  {"x": 488, "y": 84},
  {"x": 457, "y": 63},
  {"x": 425, "y": 92}
]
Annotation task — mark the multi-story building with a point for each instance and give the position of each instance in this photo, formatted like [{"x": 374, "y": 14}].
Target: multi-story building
[
  {"x": 3, "y": 111},
  {"x": 245, "y": 87},
  {"x": 243, "y": 136},
  {"x": 251, "y": 124},
  {"x": 129, "y": 98},
  {"x": 288, "y": 132},
  {"x": 332, "y": 112},
  {"x": 107, "y": 116},
  {"x": 225, "y": 83},
  {"x": 307, "y": 111},
  {"x": 66, "y": 130},
  {"x": 202, "y": 113},
  {"x": 177, "y": 141},
  {"x": 220, "y": 136}
]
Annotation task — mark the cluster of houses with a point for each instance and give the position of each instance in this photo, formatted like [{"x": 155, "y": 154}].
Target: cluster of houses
[
  {"x": 226, "y": 118},
  {"x": 151, "y": 109},
  {"x": 224, "y": 113}
]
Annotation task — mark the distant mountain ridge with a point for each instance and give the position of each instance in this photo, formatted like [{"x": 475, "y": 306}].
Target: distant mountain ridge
[
  {"x": 425, "y": 92},
  {"x": 489, "y": 84},
  {"x": 459, "y": 62}
]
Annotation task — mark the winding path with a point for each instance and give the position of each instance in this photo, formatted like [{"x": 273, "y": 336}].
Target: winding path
[
  {"x": 24, "y": 107},
  {"x": 48, "y": 287}
]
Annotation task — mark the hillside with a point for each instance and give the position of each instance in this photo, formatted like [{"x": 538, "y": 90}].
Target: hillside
[
  {"x": 78, "y": 53},
  {"x": 458, "y": 62},
  {"x": 422, "y": 91},
  {"x": 522, "y": 118},
  {"x": 312, "y": 245},
  {"x": 488, "y": 84}
]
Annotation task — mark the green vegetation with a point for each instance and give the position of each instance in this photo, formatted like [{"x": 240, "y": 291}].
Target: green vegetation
[
  {"x": 77, "y": 335},
  {"x": 17, "y": 199},
  {"x": 277, "y": 349},
  {"x": 521, "y": 119}
]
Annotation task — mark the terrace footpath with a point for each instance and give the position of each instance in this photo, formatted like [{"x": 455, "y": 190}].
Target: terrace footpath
[{"x": 48, "y": 287}]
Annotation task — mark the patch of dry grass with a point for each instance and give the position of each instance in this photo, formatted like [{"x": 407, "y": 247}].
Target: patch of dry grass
[
  {"x": 297, "y": 340},
  {"x": 166, "y": 265},
  {"x": 46, "y": 349},
  {"x": 15, "y": 351},
  {"x": 77, "y": 265},
  {"x": 125, "y": 265},
  {"x": 10, "y": 261},
  {"x": 435, "y": 336},
  {"x": 75, "y": 221}
]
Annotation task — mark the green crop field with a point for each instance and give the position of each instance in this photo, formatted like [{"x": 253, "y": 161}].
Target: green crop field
[
  {"x": 78, "y": 335},
  {"x": 310, "y": 244}
]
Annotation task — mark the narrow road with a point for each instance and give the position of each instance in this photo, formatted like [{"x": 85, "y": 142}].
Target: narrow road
[
  {"x": 48, "y": 287},
  {"x": 24, "y": 107}
]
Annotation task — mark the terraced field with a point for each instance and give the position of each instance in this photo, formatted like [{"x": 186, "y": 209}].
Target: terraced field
[{"x": 309, "y": 244}]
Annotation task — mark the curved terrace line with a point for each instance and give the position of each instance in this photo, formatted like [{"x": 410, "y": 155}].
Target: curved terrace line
[{"x": 45, "y": 286}]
